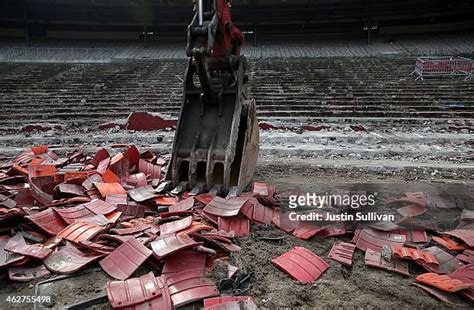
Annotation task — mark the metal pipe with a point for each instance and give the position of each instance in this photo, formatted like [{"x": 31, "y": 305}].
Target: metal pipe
[{"x": 200, "y": 12}]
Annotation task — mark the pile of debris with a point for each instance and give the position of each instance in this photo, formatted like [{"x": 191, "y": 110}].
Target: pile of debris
[{"x": 63, "y": 214}]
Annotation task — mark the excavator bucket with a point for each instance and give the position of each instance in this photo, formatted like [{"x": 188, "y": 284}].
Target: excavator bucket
[{"x": 215, "y": 145}]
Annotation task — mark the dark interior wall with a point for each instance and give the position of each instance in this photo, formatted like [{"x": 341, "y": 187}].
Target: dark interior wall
[{"x": 271, "y": 17}]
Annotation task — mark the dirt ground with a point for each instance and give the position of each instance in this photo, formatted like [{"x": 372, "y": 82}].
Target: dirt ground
[{"x": 340, "y": 286}]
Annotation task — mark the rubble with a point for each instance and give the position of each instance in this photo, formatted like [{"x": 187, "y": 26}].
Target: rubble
[{"x": 113, "y": 210}]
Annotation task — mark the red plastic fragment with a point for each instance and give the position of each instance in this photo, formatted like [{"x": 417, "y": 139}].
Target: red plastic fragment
[
  {"x": 225, "y": 207},
  {"x": 37, "y": 171},
  {"x": 98, "y": 206},
  {"x": 413, "y": 236},
  {"x": 131, "y": 210},
  {"x": 184, "y": 205},
  {"x": 117, "y": 199},
  {"x": 165, "y": 201},
  {"x": 306, "y": 231},
  {"x": 185, "y": 260},
  {"x": 122, "y": 263},
  {"x": 141, "y": 194},
  {"x": 21, "y": 274},
  {"x": 189, "y": 286},
  {"x": 444, "y": 282},
  {"x": 136, "y": 291},
  {"x": 240, "y": 226},
  {"x": 175, "y": 226},
  {"x": 374, "y": 259},
  {"x": 414, "y": 254},
  {"x": 7, "y": 258},
  {"x": 169, "y": 244},
  {"x": 466, "y": 256},
  {"x": 70, "y": 259},
  {"x": 369, "y": 238},
  {"x": 153, "y": 171},
  {"x": 48, "y": 220},
  {"x": 72, "y": 214},
  {"x": 205, "y": 198},
  {"x": 229, "y": 303},
  {"x": 106, "y": 189},
  {"x": 465, "y": 235},
  {"x": 99, "y": 156},
  {"x": 109, "y": 177},
  {"x": 447, "y": 262},
  {"x": 96, "y": 247},
  {"x": 131, "y": 230},
  {"x": 80, "y": 231},
  {"x": 255, "y": 211},
  {"x": 448, "y": 243},
  {"x": 301, "y": 264},
  {"x": 283, "y": 222},
  {"x": 195, "y": 227},
  {"x": 17, "y": 245},
  {"x": 342, "y": 252},
  {"x": 135, "y": 180}
]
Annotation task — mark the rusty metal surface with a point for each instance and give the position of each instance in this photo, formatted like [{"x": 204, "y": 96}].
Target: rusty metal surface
[
  {"x": 301, "y": 264},
  {"x": 124, "y": 260}
]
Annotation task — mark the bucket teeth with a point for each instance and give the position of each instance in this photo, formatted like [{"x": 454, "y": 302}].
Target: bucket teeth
[
  {"x": 198, "y": 189},
  {"x": 182, "y": 186},
  {"x": 233, "y": 192},
  {"x": 216, "y": 189},
  {"x": 163, "y": 187}
]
